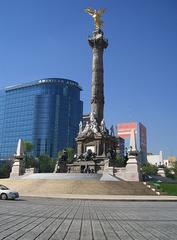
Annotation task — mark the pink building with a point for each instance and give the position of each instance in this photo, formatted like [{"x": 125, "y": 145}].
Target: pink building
[{"x": 124, "y": 130}]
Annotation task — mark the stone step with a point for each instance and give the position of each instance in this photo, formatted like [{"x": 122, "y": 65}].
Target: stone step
[{"x": 62, "y": 176}]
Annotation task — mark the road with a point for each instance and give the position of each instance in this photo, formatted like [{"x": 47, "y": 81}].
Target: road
[{"x": 47, "y": 218}]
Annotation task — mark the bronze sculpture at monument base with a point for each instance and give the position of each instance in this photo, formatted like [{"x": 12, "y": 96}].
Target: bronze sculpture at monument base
[{"x": 87, "y": 166}]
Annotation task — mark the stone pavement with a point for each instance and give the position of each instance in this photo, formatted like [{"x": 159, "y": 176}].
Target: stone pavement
[{"x": 45, "y": 218}]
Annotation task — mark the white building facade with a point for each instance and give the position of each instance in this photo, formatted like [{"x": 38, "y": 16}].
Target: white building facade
[{"x": 155, "y": 159}]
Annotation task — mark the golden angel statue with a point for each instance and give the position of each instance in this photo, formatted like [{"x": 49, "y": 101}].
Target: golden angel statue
[{"x": 96, "y": 16}]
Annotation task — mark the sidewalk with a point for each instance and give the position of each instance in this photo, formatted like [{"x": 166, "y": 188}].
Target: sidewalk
[{"x": 106, "y": 197}]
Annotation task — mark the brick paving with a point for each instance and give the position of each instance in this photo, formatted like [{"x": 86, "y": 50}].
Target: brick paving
[{"x": 45, "y": 218}]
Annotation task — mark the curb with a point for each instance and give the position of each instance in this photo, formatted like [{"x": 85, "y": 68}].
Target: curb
[{"x": 129, "y": 198}]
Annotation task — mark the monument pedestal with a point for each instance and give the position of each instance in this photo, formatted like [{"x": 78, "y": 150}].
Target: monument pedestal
[
  {"x": 96, "y": 140},
  {"x": 132, "y": 169},
  {"x": 161, "y": 172},
  {"x": 18, "y": 167}
]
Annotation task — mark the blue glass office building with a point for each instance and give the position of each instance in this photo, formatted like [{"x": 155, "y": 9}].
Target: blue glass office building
[{"x": 44, "y": 112}]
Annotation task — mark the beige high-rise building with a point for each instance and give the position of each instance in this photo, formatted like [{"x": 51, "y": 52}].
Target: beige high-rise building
[{"x": 171, "y": 161}]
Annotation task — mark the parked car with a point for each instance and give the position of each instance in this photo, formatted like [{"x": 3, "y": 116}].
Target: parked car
[
  {"x": 147, "y": 178},
  {"x": 6, "y": 193}
]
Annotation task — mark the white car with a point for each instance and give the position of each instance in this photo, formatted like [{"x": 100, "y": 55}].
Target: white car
[{"x": 6, "y": 193}]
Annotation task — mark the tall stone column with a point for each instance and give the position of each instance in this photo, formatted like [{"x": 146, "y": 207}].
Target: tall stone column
[{"x": 98, "y": 44}]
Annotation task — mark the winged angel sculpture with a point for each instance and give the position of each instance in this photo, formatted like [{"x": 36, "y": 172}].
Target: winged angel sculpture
[{"x": 96, "y": 16}]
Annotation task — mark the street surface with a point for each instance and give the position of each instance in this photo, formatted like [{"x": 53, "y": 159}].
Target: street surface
[{"x": 45, "y": 218}]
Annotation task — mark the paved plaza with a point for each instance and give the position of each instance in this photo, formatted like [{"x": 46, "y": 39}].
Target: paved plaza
[{"x": 45, "y": 218}]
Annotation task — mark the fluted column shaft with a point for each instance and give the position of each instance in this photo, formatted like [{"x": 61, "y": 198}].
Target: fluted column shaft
[{"x": 98, "y": 43}]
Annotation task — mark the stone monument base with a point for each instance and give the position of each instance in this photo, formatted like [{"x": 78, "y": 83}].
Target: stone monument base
[
  {"x": 18, "y": 168},
  {"x": 131, "y": 172},
  {"x": 161, "y": 172}
]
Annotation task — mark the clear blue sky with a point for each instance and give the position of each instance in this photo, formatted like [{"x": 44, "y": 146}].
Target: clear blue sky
[{"x": 48, "y": 38}]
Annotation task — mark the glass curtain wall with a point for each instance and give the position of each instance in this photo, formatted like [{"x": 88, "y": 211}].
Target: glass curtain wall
[{"x": 45, "y": 112}]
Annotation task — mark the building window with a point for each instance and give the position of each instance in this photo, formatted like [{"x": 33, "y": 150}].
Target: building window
[
  {"x": 46, "y": 146},
  {"x": 38, "y": 147}
]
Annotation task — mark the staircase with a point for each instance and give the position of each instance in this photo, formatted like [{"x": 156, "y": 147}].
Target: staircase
[{"x": 46, "y": 187}]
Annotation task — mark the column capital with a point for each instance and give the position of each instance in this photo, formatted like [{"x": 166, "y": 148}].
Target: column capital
[{"x": 97, "y": 40}]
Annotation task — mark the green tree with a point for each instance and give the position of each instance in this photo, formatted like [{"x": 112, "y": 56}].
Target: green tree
[
  {"x": 69, "y": 153},
  {"x": 46, "y": 164},
  {"x": 175, "y": 169},
  {"x": 28, "y": 147},
  {"x": 169, "y": 172},
  {"x": 119, "y": 161},
  {"x": 5, "y": 170},
  {"x": 150, "y": 169},
  {"x": 30, "y": 161}
]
